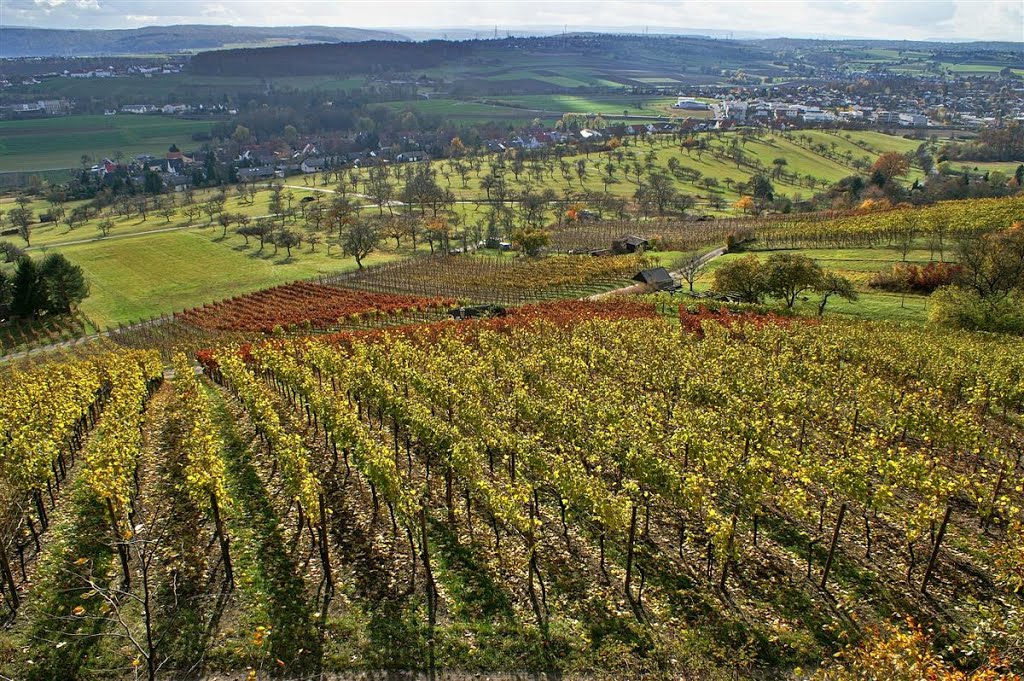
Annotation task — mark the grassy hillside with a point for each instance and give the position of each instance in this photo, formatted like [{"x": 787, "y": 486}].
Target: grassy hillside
[
  {"x": 160, "y": 264},
  {"x": 60, "y": 142},
  {"x": 146, "y": 276}
]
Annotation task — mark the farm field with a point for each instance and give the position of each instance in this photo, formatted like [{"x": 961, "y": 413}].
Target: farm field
[
  {"x": 919, "y": 62},
  {"x": 713, "y": 527},
  {"x": 801, "y": 163},
  {"x": 179, "y": 87},
  {"x": 60, "y": 142},
  {"x": 468, "y": 111},
  {"x": 610, "y": 106},
  {"x": 523, "y": 109},
  {"x": 487, "y": 414}
]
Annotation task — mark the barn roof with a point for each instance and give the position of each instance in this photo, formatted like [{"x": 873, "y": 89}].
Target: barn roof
[
  {"x": 659, "y": 277},
  {"x": 632, "y": 240}
]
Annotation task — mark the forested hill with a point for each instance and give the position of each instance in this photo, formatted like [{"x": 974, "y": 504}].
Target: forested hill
[
  {"x": 299, "y": 60},
  {"x": 46, "y": 42},
  {"x": 616, "y": 51}
]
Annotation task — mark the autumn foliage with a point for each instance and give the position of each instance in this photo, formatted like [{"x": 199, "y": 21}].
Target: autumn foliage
[
  {"x": 303, "y": 303},
  {"x": 908, "y": 278},
  {"x": 693, "y": 321},
  {"x": 904, "y": 655}
]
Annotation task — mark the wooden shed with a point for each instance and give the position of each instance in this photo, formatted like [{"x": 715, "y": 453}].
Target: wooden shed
[
  {"x": 657, "y": 278},
  {"x": 630, "y": 243}
]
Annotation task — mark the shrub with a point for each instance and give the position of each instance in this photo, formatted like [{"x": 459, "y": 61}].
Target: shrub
[
  {"x": 905, "y": 278},
  {"x": 902, "y": 655},
  {"x": 736, "y": 239},
  {"x": 965, "y": 309}
]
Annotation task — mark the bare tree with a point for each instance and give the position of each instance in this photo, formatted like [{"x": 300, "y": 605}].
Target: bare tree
[{"x": 693, "y": 268}]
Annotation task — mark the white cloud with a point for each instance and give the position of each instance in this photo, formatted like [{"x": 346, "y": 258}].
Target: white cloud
[{"x": 892, "y": 19}]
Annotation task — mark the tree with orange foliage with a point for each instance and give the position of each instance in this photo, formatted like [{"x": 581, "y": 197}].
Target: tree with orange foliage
[
  {"x": 868, "y": 205},
  {"x": 745, "y": 204},
  {"x": 888, "y": 167},
  {"x": 457, "y": 148}
]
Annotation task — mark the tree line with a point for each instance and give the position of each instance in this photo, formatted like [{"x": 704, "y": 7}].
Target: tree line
[{"x": 51, "y": 286}]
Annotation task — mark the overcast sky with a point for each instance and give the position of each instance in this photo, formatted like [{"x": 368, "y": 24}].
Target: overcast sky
[{"x": 901, "y": 19}]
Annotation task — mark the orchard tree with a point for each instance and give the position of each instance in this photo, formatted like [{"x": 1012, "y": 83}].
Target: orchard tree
[
  {"x": 380, "y": 188},
  {"x": 397, "y": 229},
  {"x": 693, "y": 268},
  {"x": 745, "y": 204},
  {"x": 778, "y": 166},
  {"x": 262, "y": 230},
  {"x": 531, "y": 240},
  {"x": 993, "y": 263},
  {"x": 888, "y": 167},
  {"x": 359, "y": 239},
  {"x": 167, "y": 209},
  {"x": 761, "y": 189},
  {"x": 661, "y": 190},
  {"x": 787, "y": 275},
  {"x": 21, "y": 219},
  {"x": 832, "y": 284},
  {"x": 288, "y": 239},
  {"x": 10, "y": 251},
  {"x": 225, "y": 219},
  {"x": 744, "y": 278}
]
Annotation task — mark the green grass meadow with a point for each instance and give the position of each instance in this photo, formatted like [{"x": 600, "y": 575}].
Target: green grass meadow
[
  {"x": 859, "y": 265},
  {"x": 60, "y": 142},
  {"x": 137, "y": 278}
]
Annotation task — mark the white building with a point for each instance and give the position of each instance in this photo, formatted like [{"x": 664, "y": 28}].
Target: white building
[
  {"x": 813, "y": 114},
  {"x": 913, "y": 120},
  {"x": 689, "y": 103}
]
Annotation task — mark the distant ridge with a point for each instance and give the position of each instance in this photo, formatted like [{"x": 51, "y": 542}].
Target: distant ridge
[{"x": 62, "y": 42}]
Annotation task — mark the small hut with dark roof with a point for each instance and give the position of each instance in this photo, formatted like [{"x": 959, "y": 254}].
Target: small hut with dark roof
[
  {"x": 657, "y": 278},
  {"x": 630, "y": 243}
]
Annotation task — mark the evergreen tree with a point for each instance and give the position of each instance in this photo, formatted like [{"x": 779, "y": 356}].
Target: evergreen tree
[
  {"x": 63, "y": 282},
  {"x": 5, "y": 294},
  {"x": 28, "y": 296}
]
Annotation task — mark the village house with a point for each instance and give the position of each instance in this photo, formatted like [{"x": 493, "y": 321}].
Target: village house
[
  {"x": 138, "y": 108},
  {"x": 313, "y": 165}
]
